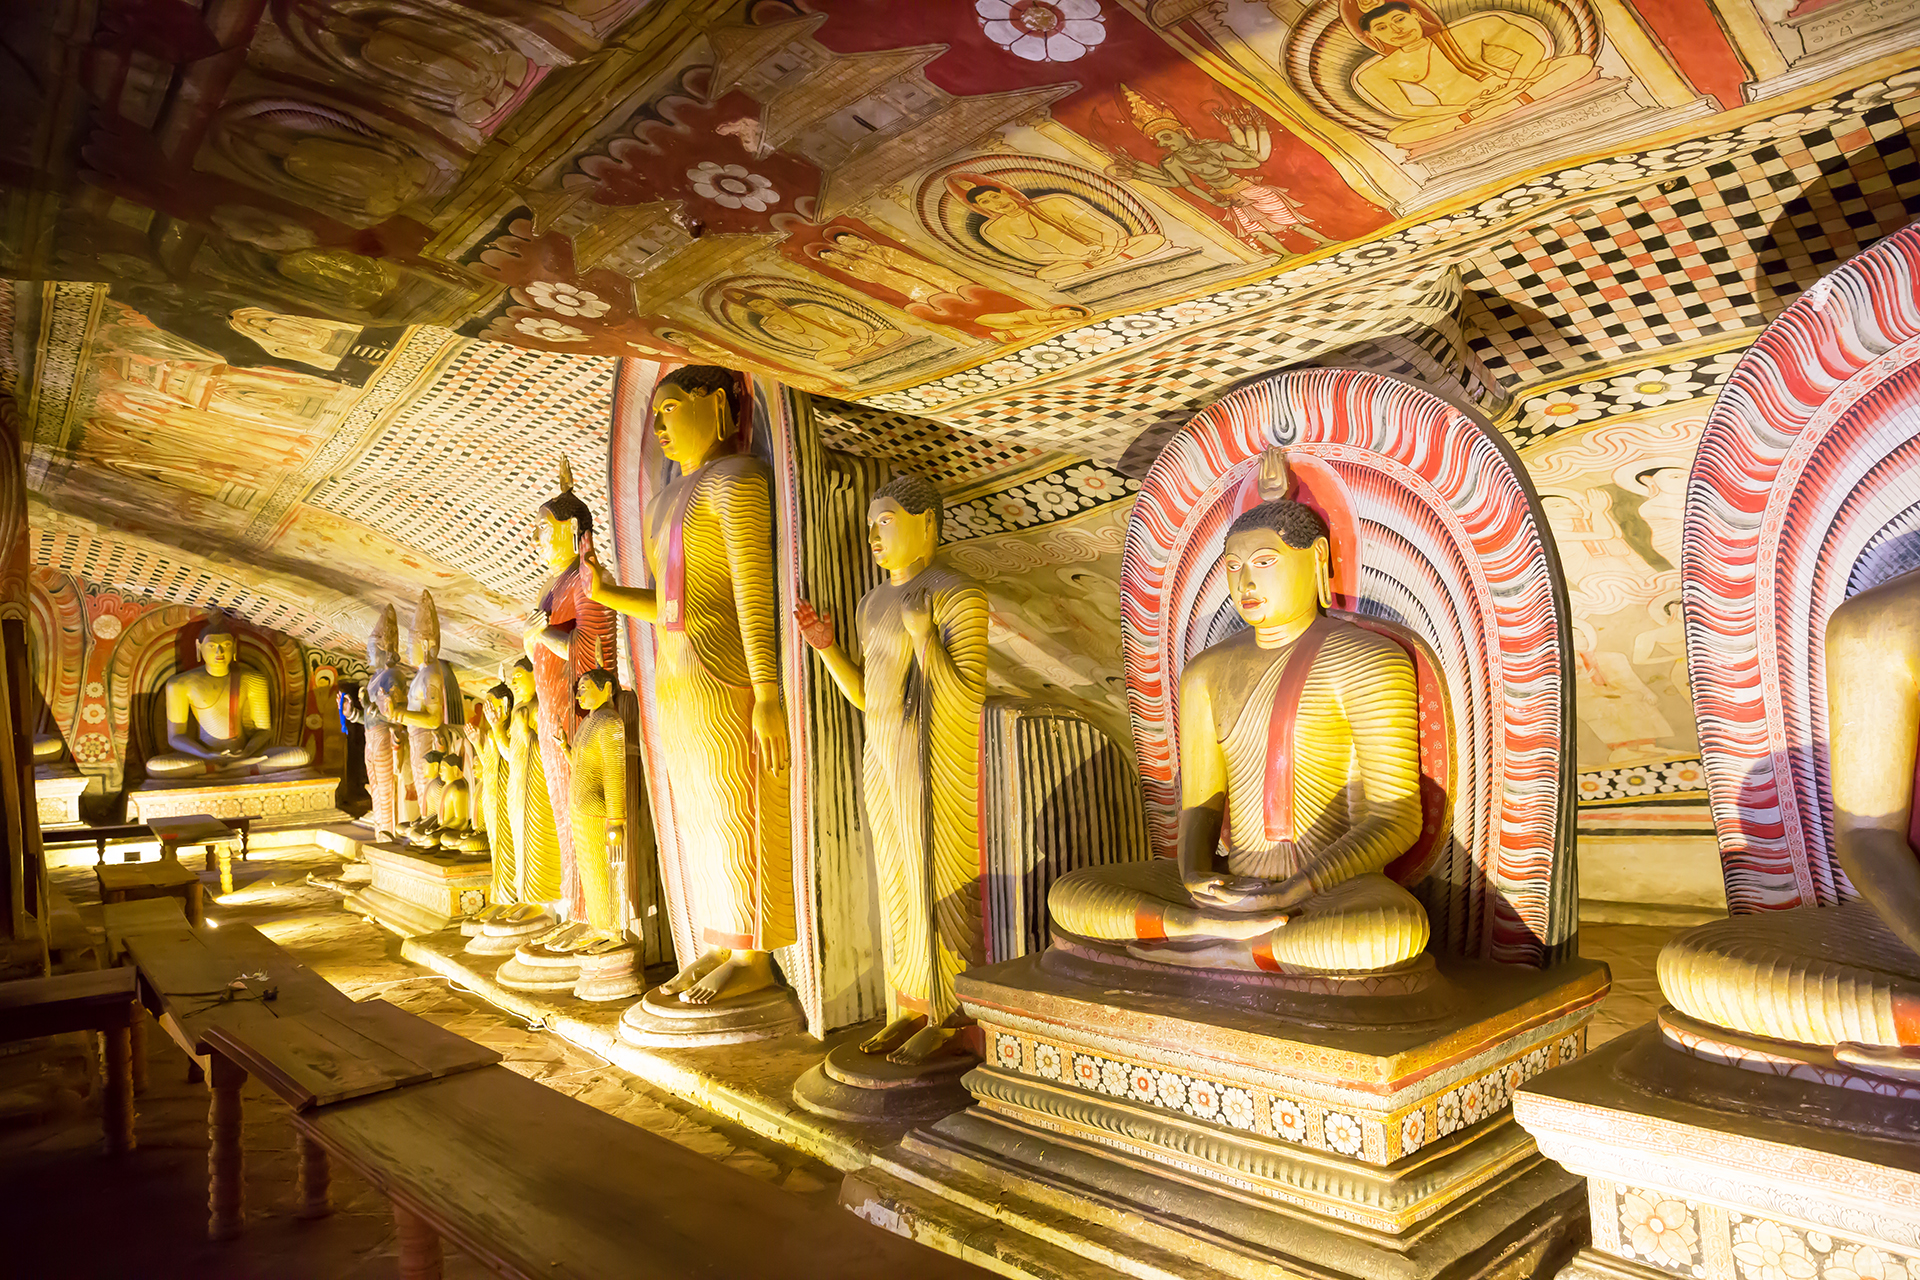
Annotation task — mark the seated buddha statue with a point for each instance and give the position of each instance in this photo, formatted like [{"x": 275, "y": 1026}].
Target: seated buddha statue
[
  {"x": 219, "y": 718},
  {"x": 1299, "y": 736},
  {"x": 456, "y": 832},
  {"x": 1439, "y": 77},
  {"x": 1847, "y": 977}
]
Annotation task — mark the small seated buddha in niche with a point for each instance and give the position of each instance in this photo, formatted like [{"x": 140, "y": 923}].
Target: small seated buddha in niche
[
  {"x": 1439, "y": 77},
  {"x": 1299, "y": 735},
  {"x": 456, "y": 832},
  {"x": 219, "y": 716},
  {"x": 1844, "y": 977}
]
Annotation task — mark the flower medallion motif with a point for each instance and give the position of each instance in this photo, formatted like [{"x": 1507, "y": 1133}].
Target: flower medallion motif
[
  {"x": 1043, "y": 30},
  {"x": 566, "y": 300},
  {"x": 1651, "y": 388},
  {"x": 1765, "y": 1250},
  {"x": 1173, "y": 1090},
  {"x": 1289, "y": 1120},
  {"x": 1113, "y": 1078},
  {"x": 1086, "y": 1070},
  {"x": 92, "y": 746},
  {"x": 93, "y": 713},
  {"x": 1236, "y": 1108},
  {"x": 546, "y": 330},
  {"x": 106, "y": 626},
  {"x": 731, "y": 186},
  {"x": 1865, "y": 1262},
  {"x": 1343, "y": 1133},
  {"x": 94, "y": 689},
  {"x": 1046, "y": 1061},
  {"x": 1446, "y": 1112},
  {"x": 1007, "y": 1050},
  {"x": 1569, "y": 1048},
  {"x": 1413, "y": 1132},
  {"x": 1473, "y": 1101},
  {"x": 1143, "y": 1084},
  {"x": 1051, "y": 498},
  {"x": 1559, "y": 409},
  {"x": 1658, "y": 1229}
]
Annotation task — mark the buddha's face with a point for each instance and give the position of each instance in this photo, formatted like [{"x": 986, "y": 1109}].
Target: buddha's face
[
  {"x": 554, "y": 539},
  {"x": 1395, "y": 28},
  {"x": 689, "y": 424},
  {"x": 997, "y": 203},
  {"x": 896, "y": 536},
  {"x": 217, "y": 654},
  {"x": 593, "y": 694},
  {"x": 1271, "y": 582},
  {"x": 850, "y": 244},
  {"x": 521, "y": 682}
]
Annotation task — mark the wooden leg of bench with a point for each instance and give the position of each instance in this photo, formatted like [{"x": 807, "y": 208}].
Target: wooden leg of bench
[
  {"x": 116, "y": 1103},
  {"x": 226, "y": 869},
  {"x": 137, "y": 1046},
  {"x": 315, "y": 1177},
  {"x": 225, "y": 1185},
  {"x": 196, "y": 904},
  {"x": 419, "y": 1245}
]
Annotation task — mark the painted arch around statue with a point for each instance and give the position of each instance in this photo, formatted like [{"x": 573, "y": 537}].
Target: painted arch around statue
[
  {"x": 1444, "y": 542},
  {"x": 1805, "y": 491}
]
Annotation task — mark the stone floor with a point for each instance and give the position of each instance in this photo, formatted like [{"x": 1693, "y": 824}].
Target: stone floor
[{"x": 95, "y": 1218}]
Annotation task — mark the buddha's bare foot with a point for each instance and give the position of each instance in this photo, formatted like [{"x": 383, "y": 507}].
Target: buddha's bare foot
[
  {"x": 894, "y": 1034},
  {"x": 699, "y": 969},
  {"x": 742, "y": 973},
  {"x": 599, "y": 942},
  {"x": 519, "y": 913},
  {"x": 1881, "y": 1059},
  {"x": 559, "y": 938},
  {"x": 926, "y": 1042},
  {"x": 1190, "y": 955}
]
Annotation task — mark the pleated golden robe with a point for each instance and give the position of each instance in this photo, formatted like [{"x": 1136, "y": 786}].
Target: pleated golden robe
[
  {"x": 921, "y": 777},
  {"x": 710, "y": 547},
  {"x": 598, "y": 797},
  {"x": 494, "y": 748},
  {"x": 530, "y": 810}
]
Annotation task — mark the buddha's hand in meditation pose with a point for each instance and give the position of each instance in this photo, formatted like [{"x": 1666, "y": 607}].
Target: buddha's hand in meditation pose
[
  {"x": 815, "y": 628},
  {"x": 1250, "y": 893}
]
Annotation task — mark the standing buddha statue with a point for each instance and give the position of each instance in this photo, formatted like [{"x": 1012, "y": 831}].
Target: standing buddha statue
[
  {"x": 571, "y": 634},
  {"x": 714, "y": 611},
  {"x": 496, "y": 707},
  {"x": 220, "y": 716},
  {"x": 921, "y": 685},
  {"x": 1299, "y": 739},
  {"x": 598, "y": 805},
  {"x": 536, "y": 850}
]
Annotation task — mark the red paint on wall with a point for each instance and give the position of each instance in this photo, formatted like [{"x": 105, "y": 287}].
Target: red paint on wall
[{"x": 1698, "y": 46}]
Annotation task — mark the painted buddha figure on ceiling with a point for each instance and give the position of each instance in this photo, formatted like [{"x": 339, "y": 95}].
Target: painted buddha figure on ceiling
[
  {"x": 1299, "y": 742},
  {"x": 1844, "y": 977},
  {"x": 1060, "y": 233},
  {"x": 220, "y": 716},
  {"x": 1439, "y": 77}
]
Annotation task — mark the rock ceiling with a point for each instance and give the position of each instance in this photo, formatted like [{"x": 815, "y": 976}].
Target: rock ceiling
[{"x": 311, "y": 295}]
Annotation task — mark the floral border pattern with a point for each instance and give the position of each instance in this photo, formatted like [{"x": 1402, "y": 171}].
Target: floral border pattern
[
  {"x": 1626, "y": 390},
  {"x": 1377, "y": 1137},
  {"x": 1668, "y": 778},
  {"x": 1058, "y": 495},
  {"x": 1669, "y": 1232}
]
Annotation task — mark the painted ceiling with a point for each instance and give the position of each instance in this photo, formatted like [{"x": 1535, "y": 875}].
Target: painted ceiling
[{"x": 310, "y": 296}]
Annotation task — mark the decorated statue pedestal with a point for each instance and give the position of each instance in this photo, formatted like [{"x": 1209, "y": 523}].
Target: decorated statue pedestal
[
  {"x": 867, "y": 1088},
  {"x": 57, "y": 789},
  {"x": 1697, "y": 1167},
  {"x": 1322, "y": 1126},
  {"x": 507, "y": 934},
  {"x": 296, "y": 797},
  {"x": 539, "y": 968},
  {"x": 662, "y": 1021},
  {"x": 419, "y": 891}
]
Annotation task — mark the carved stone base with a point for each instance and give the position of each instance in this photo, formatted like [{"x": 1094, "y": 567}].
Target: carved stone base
[
  {"x": 1720, "y": 1172},
  {"x": 504, "y": 937},
  {"x": 659, "y": 1022},
  {"x": 1261, "y": 1126},
  {"x": 57, "y": 790},
  {"x": 298, "y": 796},
  {"x": 535, "y": 968},
  {"x": 851, "y": 1085},
  {"x": 610, "y": 975},
  {"x": 414, "y": 893}
]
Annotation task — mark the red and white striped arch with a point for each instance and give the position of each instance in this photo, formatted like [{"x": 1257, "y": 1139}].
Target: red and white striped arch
[
  {"x": 1448, "y": 543},
  {"x": 1806, "y": 490}
]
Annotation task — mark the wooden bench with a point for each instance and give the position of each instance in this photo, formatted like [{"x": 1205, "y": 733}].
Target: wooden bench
[
  {"x": 100, "y": 1000},
  {"x": 52, "y": 837},
  {"x": 136, "y": 881},
  {"x": 302, "y": 1036},
  {"x": 532, "y": 1183}
]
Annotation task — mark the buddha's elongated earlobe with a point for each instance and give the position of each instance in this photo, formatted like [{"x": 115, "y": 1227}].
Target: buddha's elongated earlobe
[{"x": 1323, "y": 574}]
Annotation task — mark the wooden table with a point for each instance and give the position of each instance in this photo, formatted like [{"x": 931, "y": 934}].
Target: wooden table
[
  {"x": 220, "y": 834},
  {"x": 99, "y": 1000},
  {"x": 302, "y": 1036},
  {"x": 52, "y": 837},
  {"x": 532, "y": 1183},
  {"x": 132, "y": 881}
]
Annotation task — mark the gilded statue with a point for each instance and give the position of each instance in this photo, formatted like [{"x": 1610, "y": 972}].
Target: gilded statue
[
  {"x": 1299, "y": 737},
  {"x": 1439, "y": 77},
  {"x": 220, "y": 716},
  {"x": 536, "y": 846},
  {"x": 495, "y": 707},
  {"x": 598, "y": 805},
  {"x": 433, "y": 701},
  {"x": 1059, "y": 232},
  {"x": 570, "y": 635},
  {"x": 920, "y": 684},
  {"x": 384, "y": 748},
  {"x": 455, "y": 831},
  {"x": 1212, "y": 169},
  {"x": 1844, "y": 977},
  {"x": 714, "y": 615}
]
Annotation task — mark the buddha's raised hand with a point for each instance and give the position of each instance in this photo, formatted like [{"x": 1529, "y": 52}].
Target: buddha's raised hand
[{"x": 815, "y": 628}]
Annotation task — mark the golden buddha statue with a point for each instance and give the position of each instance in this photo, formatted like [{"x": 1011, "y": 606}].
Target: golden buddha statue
[
  {"x": 219, "y": 716},
  {"x": 496, "y": 709},
  {"x": 1844, "y": 977},
  {"x": 709, "y": 545},
  {"x": 921, "y": 684},
  {"x": 433, "y": 702},
  {"x": 1299, "y": 736},
  {"x": 1439, "y": 77},
  {"x": 536, "y": 847},
  {"x": 599, "y": 809},
  {"x": 456, "y": 832}
]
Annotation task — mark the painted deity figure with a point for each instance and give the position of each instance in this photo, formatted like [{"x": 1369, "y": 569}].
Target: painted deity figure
[
  {"x": 714, "y": 612},
  {"x": 1061, "y": 233},
  {"x": 598, "y": 809},
  {"x": 385, "y": 756},
  {"x": 1844, "y": 977},
  {"x": 1439, "y": 77},
  {"x": 570, "y": 635},
  {"x": 920, "y": 684},
  {"x": 320, "y": 343},
  {"x": 886, "y": 266},
  {"x": 1212, "y": 169},
  {"x": 826, "y": 335},
  {"x": 433, "y": 701},
  {"x": 1299, "y": 735},
  {"x": 536, "y": 846},
  {"x": 220, "y": 716}
]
